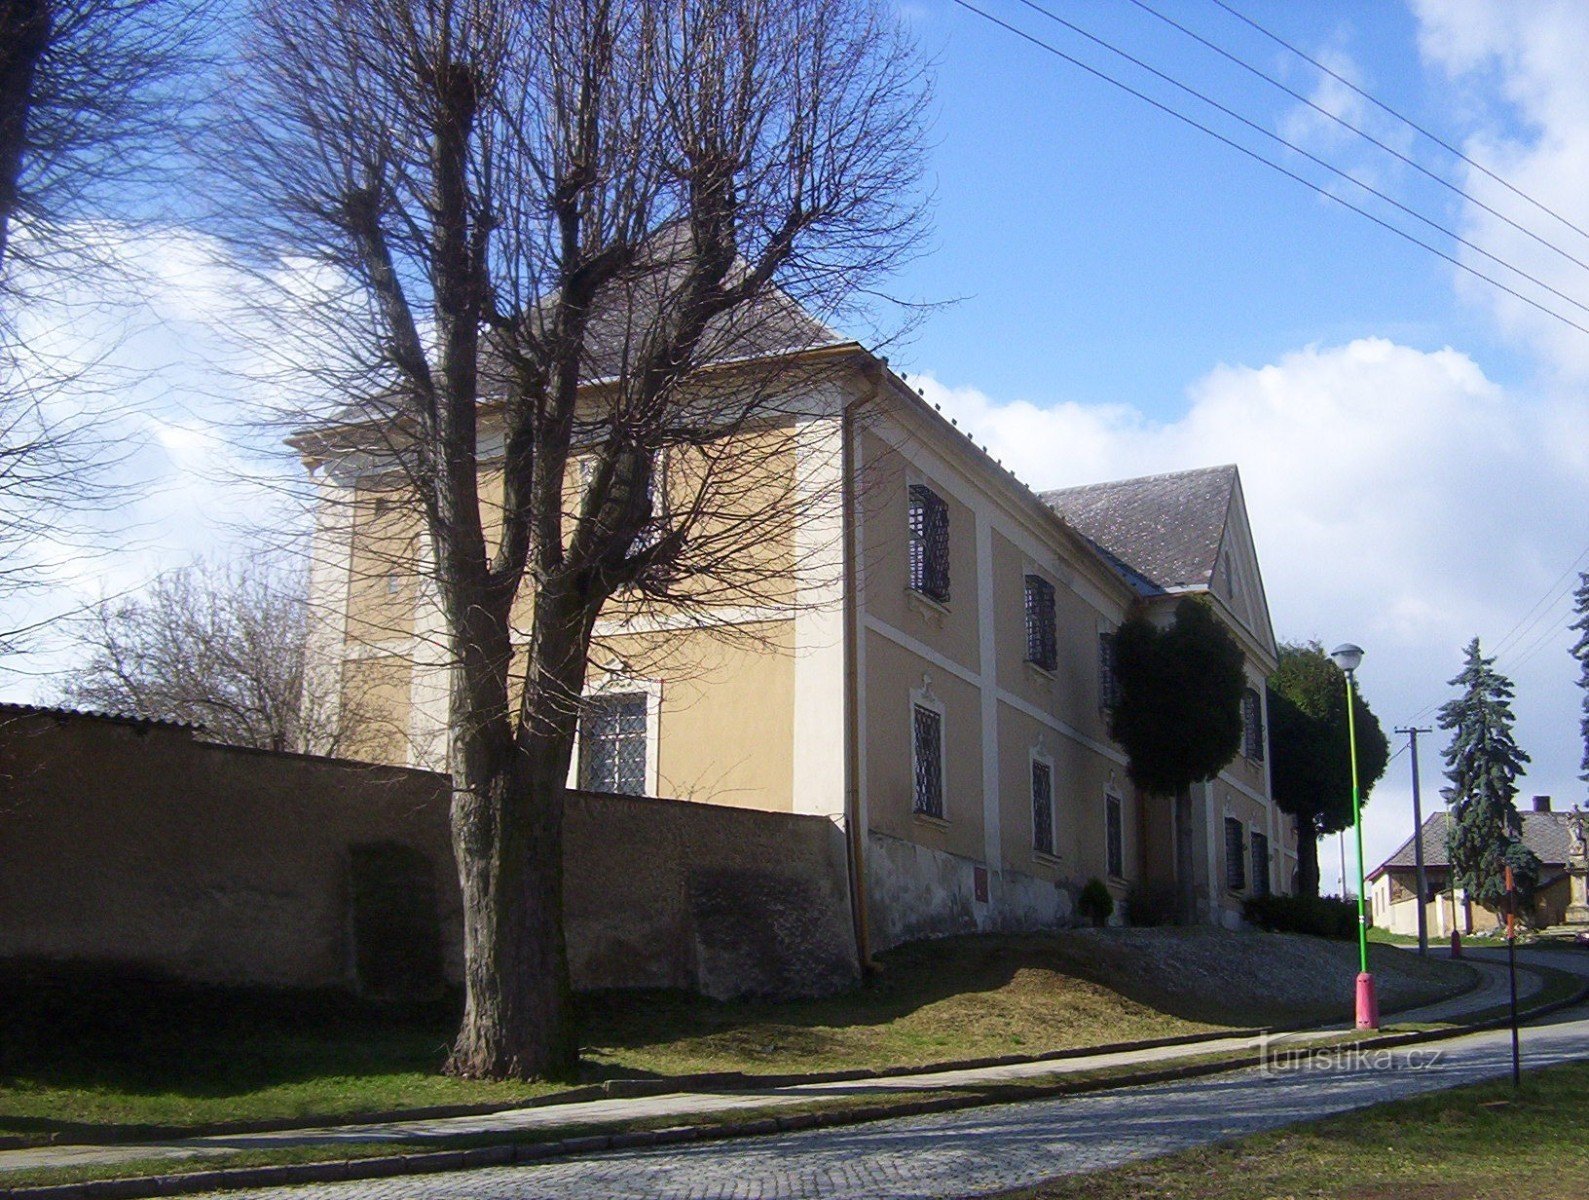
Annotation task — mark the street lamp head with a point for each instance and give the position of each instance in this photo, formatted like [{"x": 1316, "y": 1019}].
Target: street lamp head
[{"x": 1347, "y": 657}]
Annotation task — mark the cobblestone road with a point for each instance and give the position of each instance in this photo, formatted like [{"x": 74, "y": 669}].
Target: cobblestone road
[{"x": 988, "y": 1149}]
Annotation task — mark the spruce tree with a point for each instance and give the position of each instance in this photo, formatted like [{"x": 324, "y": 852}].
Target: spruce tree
[
  {"x": 1483, "y": 763},
  {"x": 1580, "y": 651}
]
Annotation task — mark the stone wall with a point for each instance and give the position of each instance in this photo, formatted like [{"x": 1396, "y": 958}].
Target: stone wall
[
  {"x": 914, "y": 892},
  {"x": 133, "y": 843}
]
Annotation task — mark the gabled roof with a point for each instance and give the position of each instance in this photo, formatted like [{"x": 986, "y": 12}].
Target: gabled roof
[
  {"x": 1162, "y": 532},
  {"x": 1545, "y": 833},
  {"x": 625, "y": 313}
]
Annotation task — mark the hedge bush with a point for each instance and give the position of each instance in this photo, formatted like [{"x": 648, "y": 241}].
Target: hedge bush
[
  {"x": 1321, "y": 916},
  {"x": 1095, "y": 903}
]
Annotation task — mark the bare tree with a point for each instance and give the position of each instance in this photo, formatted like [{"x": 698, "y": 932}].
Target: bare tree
[
  {"x": 95, "y": 98},
  {"x": 222, "y": 646},
  {"x": 93, "y": 95},
  {"x": 572, "y": 263}
]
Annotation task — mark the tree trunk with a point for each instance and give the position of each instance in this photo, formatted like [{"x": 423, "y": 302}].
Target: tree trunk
[
  {"x": 1307, "y": 858},
  {"x": 507, "y": 835},
  {"x": 25, "y": 27},
  {"x": 1185, "y": 861}
]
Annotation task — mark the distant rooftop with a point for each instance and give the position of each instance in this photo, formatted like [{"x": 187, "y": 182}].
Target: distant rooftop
[
  {"x": 1545, "y": 833},
  {"x": 1162, "y": 532}
]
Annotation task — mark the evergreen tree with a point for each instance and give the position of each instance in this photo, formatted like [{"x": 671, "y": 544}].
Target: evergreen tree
[
  {"x": 1482, "y": 763},
  {"x": 1178, "y": 714},
  {"x": 1580, "y": 651},
  {"x": 1311, "y": 764}
]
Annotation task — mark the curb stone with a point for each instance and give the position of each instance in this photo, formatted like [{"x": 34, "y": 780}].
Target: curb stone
[{"x": 441, "y": 1161}]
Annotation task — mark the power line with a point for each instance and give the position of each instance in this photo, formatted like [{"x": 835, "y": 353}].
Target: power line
[
  {"x": 1408, "y": 121},
  {"x": 1360, "y": 132},
  {"x": 1548, "y": 596},
  {"x": 1270, "y": 163},
  {"x": 1311, "y": 157}
]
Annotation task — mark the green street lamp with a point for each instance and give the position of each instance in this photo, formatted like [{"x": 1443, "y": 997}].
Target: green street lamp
[{"x": 1348, "y": 658}]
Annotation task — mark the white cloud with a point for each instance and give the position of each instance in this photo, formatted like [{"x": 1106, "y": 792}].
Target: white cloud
[
  {"x": 1400, "y": 499},
  {"x": 148, "y": 359},
  {"x": 1518, "y": 70}
]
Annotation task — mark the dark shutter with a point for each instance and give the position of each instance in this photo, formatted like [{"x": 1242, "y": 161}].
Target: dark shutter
[
  {"x": 928, "y": 727},
  {"x": 1114, "y": 831},
  {"x": 1260, "y": 864},
  {"x": 929, "y": 543},
  {"x": 1042, "y": 648},
  {"x": 1235, "y": 855},
  {"x": 1108, "y": 684},
  {"x": 1042, "y": 807}
]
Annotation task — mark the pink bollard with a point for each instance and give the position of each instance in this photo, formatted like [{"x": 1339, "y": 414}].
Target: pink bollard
[{"x": 1367, "y": 1002}]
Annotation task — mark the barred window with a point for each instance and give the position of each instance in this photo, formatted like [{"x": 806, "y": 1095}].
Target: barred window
[
  {"x": 1042, "y": 643},
  {"x": 1260, "y": 864},
  {"x": 612, "y": 744},
  {"x": 1252, "y": 725},
  {"x": 1042, "y": 807},
  {"x": 1108, "y": 678},
  {"x": 657, "y": 502},
  {"x": 928, "y": 753},
  {"x": 1115, "y": 837},
  {"x": 929, "y": 543},
  {"x": 1235, "y": 855}
]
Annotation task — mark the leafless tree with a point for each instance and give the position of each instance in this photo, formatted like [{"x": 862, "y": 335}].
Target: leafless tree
[
  {"x": 93, "y": 95},
  {"x": 217, "y": 645},
  {"x": 95, "y": 99},
  {"x": 572, "y": 266}
]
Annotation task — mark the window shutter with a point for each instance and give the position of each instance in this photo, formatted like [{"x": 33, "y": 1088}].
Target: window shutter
[
  {"x": 929, "y": 543},
  {"x": 1042, "y": 642}
]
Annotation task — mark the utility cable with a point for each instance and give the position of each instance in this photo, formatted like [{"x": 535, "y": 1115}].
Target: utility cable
[
  {"x": 1363, "y": 133},
  {"x": 1408, "y": 121},
  {"x": 1311, "y": 157},
  {"x": 1255, "y": 156}
]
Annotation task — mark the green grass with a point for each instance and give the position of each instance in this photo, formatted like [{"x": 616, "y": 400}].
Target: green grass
[
  {"x": 1384, "y": 937},
  {"x": 83, "y": 1054},
  {"x": 1473, "y": 1143}
]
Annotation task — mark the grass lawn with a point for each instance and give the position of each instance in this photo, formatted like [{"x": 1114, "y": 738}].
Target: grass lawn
[
  {"x": 1473, "y": 1143},
  {"x": 99, "y": 1052},
  {"x": 1386, "y": 938}
]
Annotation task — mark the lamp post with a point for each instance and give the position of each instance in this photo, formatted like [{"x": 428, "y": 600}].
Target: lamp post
[{"x": 1348, "y": 658}]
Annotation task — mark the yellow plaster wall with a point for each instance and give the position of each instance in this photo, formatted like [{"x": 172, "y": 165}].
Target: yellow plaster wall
[
  {"x": 891, "y": 674},
  {"x": 726, "y": 720},
  {"x": 882, "y": 499}
]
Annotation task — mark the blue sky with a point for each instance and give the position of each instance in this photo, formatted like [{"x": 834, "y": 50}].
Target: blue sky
[
  {"x": 1133, "y": 296},
  {"x": 1125, "y": 252},
  {"x": 1129, "y": 296}
]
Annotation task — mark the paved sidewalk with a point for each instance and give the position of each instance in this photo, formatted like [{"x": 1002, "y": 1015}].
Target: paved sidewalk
[
  {"x": 681, "y": 1107},
  {"x": 982, "y": 1150}
]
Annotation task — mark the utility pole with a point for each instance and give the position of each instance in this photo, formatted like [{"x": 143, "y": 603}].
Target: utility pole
[{"x": 1417, "y": 839}]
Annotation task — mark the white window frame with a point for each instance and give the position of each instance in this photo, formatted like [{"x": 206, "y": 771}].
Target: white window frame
[
  {"x": 616, "y": 683},
  {"x": 923, "y": 697},
  {"x": 1040, "y": 757}
]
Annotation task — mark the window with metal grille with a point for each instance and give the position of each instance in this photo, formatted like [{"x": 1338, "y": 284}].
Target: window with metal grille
[
  {"x": 1235, "y": 855},
  {"x": 1260, "y": 864},
  {"x": 1115, "y": 837},
  {"x": 1252, "y": 725},
  {"x": 1042, "y": 807},
  {"x": 1042, "y": 642},
  {"x": 928, "y": 726},
  {"x": 612, "y": 744},
  {"x": 1108, "y": 679},
  {"x": 929, "y": 543}
]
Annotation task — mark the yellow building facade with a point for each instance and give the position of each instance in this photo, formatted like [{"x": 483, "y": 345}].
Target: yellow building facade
[{"x": 930, "y": 672}]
